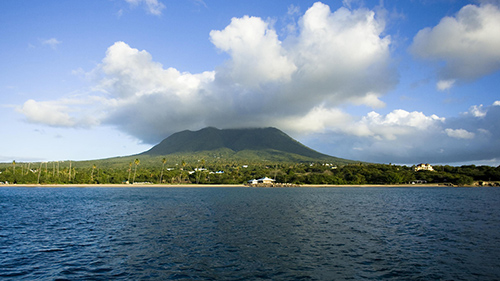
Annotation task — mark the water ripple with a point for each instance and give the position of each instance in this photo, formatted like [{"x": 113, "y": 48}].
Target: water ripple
[{"x": 248, "y": 233}]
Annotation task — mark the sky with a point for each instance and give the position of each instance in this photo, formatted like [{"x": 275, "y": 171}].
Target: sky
[{"x": 402, "y": 82}]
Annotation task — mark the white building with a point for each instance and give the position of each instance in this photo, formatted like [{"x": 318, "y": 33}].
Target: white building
[
  {"x": 254, "y": 181},
  {"x": 264, "y": 180},
  {"x": 423, "y": 167}
]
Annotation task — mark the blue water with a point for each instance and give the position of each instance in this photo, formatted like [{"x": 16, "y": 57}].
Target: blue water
[{"x": 249, "y": 233}]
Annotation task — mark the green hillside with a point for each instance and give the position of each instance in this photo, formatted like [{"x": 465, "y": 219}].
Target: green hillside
[{"x": 258, "y": 144}]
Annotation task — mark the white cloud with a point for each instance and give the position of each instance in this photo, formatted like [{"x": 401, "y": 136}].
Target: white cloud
[
  {"x": 396, "y": 123},
  {"x": 151, "y": 101},
  {"x": 153, "y": 7},
  {"x": 402, "y": 117},
  {"x": 370, "y": 99},
  {"x": 52, "y": 42},
  {"x": 459, "y": 133},
  {"x": 412, "y": 137},
  {"x": 468, "y": 43},
  {"x": 444, "y": 85},
  {"x": 75, "y": 112},
  {"x": 126, "y": 72},
  {"x": 256, "y": 53},
  {"x": 477, "y": 110},
  {"x": 50, "y": 113},
  {"x": 496, "y": 103},
  {"x": 342, "y": 55},
  {"x": 318, "y": 119},
  {"x": 64, "y": 112}
]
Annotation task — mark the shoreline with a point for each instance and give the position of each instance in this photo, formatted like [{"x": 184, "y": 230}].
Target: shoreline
[{"x": 212, "y": 185}]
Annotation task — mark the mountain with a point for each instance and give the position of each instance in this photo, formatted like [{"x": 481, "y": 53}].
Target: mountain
[{"x": 257, "y": 143}]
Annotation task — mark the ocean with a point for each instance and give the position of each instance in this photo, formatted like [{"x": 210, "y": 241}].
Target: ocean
[{"x": 242, "y": 233}]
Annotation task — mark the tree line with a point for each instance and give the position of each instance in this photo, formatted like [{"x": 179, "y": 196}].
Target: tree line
[{"x": 231, "y": 172}]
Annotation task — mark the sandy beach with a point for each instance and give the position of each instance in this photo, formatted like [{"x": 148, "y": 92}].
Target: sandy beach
[{"x": 208, "y": 185}]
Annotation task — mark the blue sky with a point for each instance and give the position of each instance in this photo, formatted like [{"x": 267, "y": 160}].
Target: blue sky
[{"x": 381, "y": 81}]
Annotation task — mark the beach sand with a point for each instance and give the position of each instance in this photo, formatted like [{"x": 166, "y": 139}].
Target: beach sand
[{"x": 208, "y": 185}]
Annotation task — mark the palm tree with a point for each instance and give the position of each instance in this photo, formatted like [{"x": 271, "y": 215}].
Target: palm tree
[
  {"x": 39, "y": 173},
  {"x": 136, "y": 161},
  {"x": 163, "y": 161},
  {"x": 14, "y": 170},
  {"x": 92, "y": 174},
  {"x": 129, "y": 170},
  {"x": 199, "y": 171},
  {"x": 183, "y": 165}
]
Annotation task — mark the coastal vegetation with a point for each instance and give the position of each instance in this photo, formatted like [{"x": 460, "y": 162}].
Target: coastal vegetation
[
  {"x": 175, "y": 170},
  {"x": 235, "y": 156}
]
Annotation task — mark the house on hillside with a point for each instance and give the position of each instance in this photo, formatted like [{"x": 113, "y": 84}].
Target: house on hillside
[{"x": 423, "y": 167}]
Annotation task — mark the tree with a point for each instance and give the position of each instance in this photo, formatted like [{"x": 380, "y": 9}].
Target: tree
[
  {"x": 183, "y": 166},
  {"x": 69, "y": 171},
  {"x": 163, "y": 161},
  {"x": 199, "y": 171},
  {"x": 92, "y": 174},
  {"x": 14, "y": 170},
  {"x": 136, "y": 161},
  {"x": 129, "y": 171},
  {"x": 39, "y": 172}
]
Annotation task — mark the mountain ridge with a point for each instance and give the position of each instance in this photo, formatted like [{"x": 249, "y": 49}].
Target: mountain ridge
[{"x": 265, "y": 143}]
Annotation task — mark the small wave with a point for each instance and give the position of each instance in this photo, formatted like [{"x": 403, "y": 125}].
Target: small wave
[
  {"x": 15, "y": 273},
  {"x": 51, "y": 250}
]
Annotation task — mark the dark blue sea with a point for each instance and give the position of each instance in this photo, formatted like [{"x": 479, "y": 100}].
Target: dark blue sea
[{"x": 371, "y": 233}]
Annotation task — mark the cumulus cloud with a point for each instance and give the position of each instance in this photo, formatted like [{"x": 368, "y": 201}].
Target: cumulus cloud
[
  {"x": 342, "y": 55},
  {"x": 126, "y": 73},
  {"x": 374, "y": 125},
  {"x": 333, "y": 58},
  {"x": 47, "y": 113},
  {"x": 153, "y": 7},
  {"x": 477, "y": 110},
  {"x": 318, "y": 119},
  {"x": 467, "y": 43},
  {"x": 398, "y": 122},
  {"x": 413, "y": 137},
  {"x": 256, "y": 52},
  {"x": 296, "y": 83},
  {"x": 459, "y": 133},
  {"x": 61, "y": 113}
]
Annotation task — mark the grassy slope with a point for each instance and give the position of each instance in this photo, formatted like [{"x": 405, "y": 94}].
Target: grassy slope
[{"x": 263, "y": 144}]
